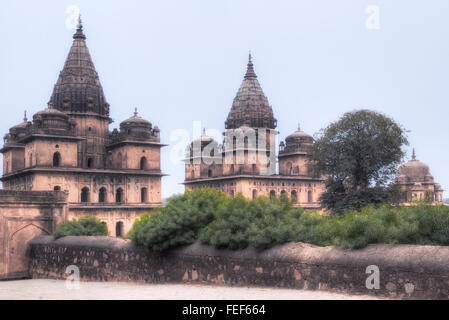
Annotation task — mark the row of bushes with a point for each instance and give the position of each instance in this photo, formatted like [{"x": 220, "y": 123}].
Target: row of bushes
[{"x": 213, "y": 218}]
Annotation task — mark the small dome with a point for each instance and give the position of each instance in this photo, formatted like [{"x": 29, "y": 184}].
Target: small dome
[
  {"x": 438, "y": 187},
  {"x": 415, "y": 171},
  {"x": 136, "y": 119},
  {"x": 298, "y": 141},
  {"x": 299, "y": 135},
  {"x": 203, "y": 139},
  {"x": 50, "y": 112}
]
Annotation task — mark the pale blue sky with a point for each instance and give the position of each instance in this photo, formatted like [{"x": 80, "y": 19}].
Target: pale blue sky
[{"x": 181, "y": 61}]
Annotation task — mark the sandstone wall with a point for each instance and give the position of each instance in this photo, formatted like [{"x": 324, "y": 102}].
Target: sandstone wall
[
  {"x": 23, "y": 216},
  {"x": 405, "y": 271}
]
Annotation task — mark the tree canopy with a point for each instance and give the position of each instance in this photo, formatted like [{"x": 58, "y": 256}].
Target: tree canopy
[{"x": 359, "y": 154}]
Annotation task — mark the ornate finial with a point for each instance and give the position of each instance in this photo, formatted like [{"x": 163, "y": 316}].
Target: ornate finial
[
  {"x": 204, "y": 131},
  {"x": 80, "y": 23},
  {"x": 413, "y": 155},
  {"x": 299, "y": 127},
  {"x": 135, "y": 112},
  {"x": 25, "y": 116},
  {"x": 79, "y": 31},
  {"x": 250, "y": 74}
]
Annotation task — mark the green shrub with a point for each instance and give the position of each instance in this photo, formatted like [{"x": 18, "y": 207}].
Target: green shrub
[
  {"x": 85, "y": 226},
  {"x": 179, "y": 221},
  {"x": 236, "y": 223}
]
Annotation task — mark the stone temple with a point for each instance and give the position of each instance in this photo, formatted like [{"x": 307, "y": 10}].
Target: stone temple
[
  {"x": 246, "y": 160},
  {"x": 65, "y": 163},
  {"x": 417, "y": 183}
]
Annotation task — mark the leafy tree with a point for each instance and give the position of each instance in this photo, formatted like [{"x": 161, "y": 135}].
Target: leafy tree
[
  {"x": 85, "y": 226},
  {"x": 359, "y": 154}
]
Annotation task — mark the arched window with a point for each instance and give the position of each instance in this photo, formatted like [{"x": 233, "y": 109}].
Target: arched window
[
  {"x": 192, "y": 173},
  {"x": 56, "y": 159},
  {"x": 272, "y": 194},
  {"x": 57, "y": 188},
  {"x": 309, "y": 196},
  {"x": 294, "y": 196},
  {"x": 209, "y": 173},
  {"x": 232, "y": 169},
  {"x": 119, "y": 195},
  {"x": 254, "y": 194},
  {"x": 102, "y": 195},
  {"x": 143, "y": 195},
  {"x": 7, "y": 166},
  {"x": 119, "y": 229},
  {"x": 231, "y": 193},
  {"x": 31, "y": 159},
  {"x": 282, "y": 192},
  {"x": 254, "y": 168},
  {"x": 90, "y": 162},
  {"x": 289, "y": 168},
  {"x": 85, "y": 196},
  {"x": 119, "y": 160},
  {"x": 143, "y": 163}
]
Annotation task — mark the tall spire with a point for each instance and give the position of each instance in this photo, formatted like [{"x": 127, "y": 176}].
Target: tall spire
[
  {"x": 250, "y": 106},
  {"x": 25, "y": 116},
  {"x": 135, "y": 112},
  {"x": 413, "y": 155},
  {"x": 78, "y": 88},
  {"x": 250, "y": 74}
]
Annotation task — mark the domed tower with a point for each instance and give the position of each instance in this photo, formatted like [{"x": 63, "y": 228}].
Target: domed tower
[
  {"x": 250, "y": 130},
  {"x": 136, "y": 146},
  {"x": 13, "y": 149},
  {"x": 79, "y": 94},
  {"x": 293, "y": 154},
  {"x": 416, "y": 181},
  {"x": 203, "y": 157}
]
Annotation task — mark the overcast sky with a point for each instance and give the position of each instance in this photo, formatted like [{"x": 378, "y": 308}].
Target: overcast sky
[{"x": 183, "y": 61}]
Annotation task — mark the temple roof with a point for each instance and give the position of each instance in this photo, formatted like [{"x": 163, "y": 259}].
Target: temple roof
[
  {"x": 250, "y": 106},
  {"x": 414, "y": 171},
  {"x": 78, "y": 88}
]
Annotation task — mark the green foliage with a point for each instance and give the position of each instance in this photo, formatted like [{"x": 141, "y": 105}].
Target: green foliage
[
  {"x": 260, "y": 223},
  {"x": 236, "y": 223},
  {"x": 85, "y": 226},
  {"x": 179, "y": 221},
  {"x": 359, "y": 154}
]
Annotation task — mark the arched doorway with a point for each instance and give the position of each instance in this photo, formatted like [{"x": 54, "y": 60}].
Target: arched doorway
[
  {"x": 309, "y": 196},
  {"x": 294, "y": 196},
  {"x": 119, "y": 229},
  {"x": 143, "y": 195},
  {"x": 119, "y": 195},
  {"x": 143, "y": 163},
  {"x": 102, "y": 195},
  {"x": 85, "y": 194},
  {"x": 272, "y": 194},
  {"x": 254, "y": 194},
  {"x": 56, "y": 159}
]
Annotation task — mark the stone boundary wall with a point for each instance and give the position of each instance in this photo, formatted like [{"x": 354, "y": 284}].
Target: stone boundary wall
[{"x": 406, "y": 271}]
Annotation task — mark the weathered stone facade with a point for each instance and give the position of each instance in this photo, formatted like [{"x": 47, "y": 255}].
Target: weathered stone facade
[
  {"x": 417, "y": 183},
  {"x": 24, "y": 215},
  {"x": 405, "y": 271},
  {"x": 115, "y": 176},
  {"x": 246, "y": 161}
]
